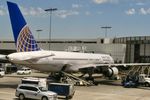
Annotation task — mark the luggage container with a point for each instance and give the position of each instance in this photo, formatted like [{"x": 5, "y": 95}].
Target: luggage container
[{"x": 61, "y": 89}]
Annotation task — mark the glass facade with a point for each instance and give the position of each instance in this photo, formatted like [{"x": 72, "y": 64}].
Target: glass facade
[{"x": 138, "y": 48}]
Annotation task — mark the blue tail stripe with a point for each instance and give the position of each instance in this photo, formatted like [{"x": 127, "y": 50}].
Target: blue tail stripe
[
  {"x": 23, "y": 37},
  {"x": 17, "y": 19}
]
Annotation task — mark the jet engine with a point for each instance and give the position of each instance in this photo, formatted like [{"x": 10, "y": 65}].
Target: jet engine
[{"x": 110, "y": 71}]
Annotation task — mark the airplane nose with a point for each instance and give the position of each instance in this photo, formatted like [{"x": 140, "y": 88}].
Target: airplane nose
[{"x": 7, "y": 57}]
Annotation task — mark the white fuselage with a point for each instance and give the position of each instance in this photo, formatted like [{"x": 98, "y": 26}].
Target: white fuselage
[{"x": 53, "y": 61}]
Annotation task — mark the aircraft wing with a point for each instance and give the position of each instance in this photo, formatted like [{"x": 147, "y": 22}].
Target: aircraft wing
[
  {"x": 123, "y": 64},
  {"x": 108, "y": 70},
  {"x": 28, "y": 56},
  {"x": 108, "y": 65},
  {"x": 88, "y": 67},
  {"x": 36, "y": 57},
  {"x": 111, "y": 65}
]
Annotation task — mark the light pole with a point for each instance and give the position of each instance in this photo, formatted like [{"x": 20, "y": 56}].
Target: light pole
[
  {"x": 38, "y": 31},
  {"x": 50, "y": 10},
  {"x": 106, "y": 27}
]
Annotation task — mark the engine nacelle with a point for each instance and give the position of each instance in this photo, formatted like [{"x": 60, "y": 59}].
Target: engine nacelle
[{"x": 111, "y": 71}]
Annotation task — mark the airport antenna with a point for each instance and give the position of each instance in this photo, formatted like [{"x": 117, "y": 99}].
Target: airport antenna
[
  {"x": 50, "y": 10},
  {"x": 106, "y": 28}
]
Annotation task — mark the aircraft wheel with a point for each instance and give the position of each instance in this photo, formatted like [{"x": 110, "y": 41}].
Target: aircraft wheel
[
  {"x": 77, "y": 83},
  {"x": 147, "y": 84}
]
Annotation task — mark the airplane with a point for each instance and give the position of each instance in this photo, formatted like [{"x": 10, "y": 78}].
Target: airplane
[{"x": 31, "y": 55}]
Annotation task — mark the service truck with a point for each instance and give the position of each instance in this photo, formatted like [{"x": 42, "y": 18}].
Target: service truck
[
  {"x": 136, "y": 80},
  {"x": 144, "y": 80},
  {"x": 42, "y": 82}
]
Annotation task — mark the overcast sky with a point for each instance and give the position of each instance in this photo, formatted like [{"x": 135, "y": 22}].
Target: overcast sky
[{"x": 81, "y": 18}]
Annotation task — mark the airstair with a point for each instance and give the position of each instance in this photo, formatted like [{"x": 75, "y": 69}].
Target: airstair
[{"x": 70, "y": 78}]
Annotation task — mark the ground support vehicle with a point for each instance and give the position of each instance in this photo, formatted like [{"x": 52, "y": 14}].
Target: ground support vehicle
[
  {"x": 144, "y": 80},
  {"x": 2, "y": 72},
  {"x": 24, "y": 71},
  {"x": 34, "y": 92},
  {"x": 61, "y": 89},
  {"x": 136, "y": 80},
  {"x": 42, "y": 82}
]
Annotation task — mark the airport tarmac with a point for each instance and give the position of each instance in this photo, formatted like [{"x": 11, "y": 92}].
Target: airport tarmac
[{"x": 106, "y": 90}]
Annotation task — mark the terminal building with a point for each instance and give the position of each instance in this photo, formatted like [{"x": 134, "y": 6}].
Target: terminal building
[{"x": 122, "y": 49}]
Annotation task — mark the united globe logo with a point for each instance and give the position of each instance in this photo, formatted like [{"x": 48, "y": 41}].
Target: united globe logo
[{"x": 26, "y": 41}]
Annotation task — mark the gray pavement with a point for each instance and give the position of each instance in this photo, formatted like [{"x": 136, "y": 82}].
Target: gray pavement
[{"x": 106, "y": 90}]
